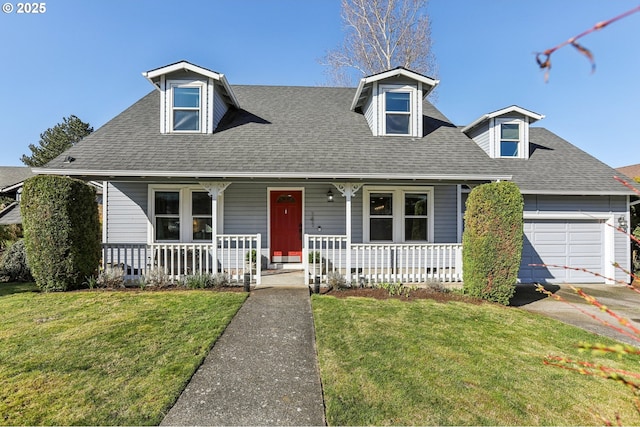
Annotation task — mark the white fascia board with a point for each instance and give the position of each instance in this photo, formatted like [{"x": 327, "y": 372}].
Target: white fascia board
[
  {"x": 567, "y": 215},
  {"x": 184, "y": 65},
  {"x": 354, "y": 103},
  {"x": 514, "y": 108},
  {"x": 276, "y": 175},
  {"x": 227, "y": 88}
]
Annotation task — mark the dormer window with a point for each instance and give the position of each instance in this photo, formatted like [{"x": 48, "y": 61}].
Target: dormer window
[
  {"x": 510, "y": 139},
  {"x": 192, "y": 99},
  {"x": 391, "y": 102},
  {"x": 504, "y": 133},
  {"x": 397, "y": 112},
  {"x": 186, "y": 108}
]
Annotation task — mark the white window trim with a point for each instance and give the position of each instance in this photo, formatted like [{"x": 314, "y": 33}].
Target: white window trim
[
  {"x": 413, "y": 108},
  {"x": 523, "y": 143},
  {"x": 171, "y": 84},
  {"x": 398, "y": 211},
  {"x": 186, "y": 215}
]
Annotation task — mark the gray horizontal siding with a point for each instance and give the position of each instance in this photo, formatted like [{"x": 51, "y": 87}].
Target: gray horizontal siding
[
  {"x": 445, "y": 214},
  {"x": 480, "y": 135},
  {"x": 126, "y": 212}
]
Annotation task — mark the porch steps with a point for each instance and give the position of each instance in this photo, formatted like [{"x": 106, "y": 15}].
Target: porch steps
[{"x": 282, "y": 278}]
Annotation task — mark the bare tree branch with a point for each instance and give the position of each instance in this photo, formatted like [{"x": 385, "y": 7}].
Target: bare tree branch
[
  {"x": 380, "y": 35},
  {"x": 544, "y": 58}
]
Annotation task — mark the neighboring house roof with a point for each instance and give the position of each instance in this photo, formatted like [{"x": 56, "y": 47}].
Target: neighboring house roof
[
  {"x": 632, "y": 171},
  {"x": 311, "y": 132},
  {"x": 11, "y": 214},
  {"x": 12, "y": 176}
]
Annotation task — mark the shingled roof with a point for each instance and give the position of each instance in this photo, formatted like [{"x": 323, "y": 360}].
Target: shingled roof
[
  {"x": 12, "y": 175},
  {"x": 310, "y": 132}
]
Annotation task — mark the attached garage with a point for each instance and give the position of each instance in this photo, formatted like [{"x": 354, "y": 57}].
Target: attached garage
[{"x": 578, "y": 243}]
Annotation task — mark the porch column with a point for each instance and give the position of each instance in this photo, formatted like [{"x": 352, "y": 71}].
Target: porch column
[
  {"x": 214, "y": 189},
  {"x": 348, "y": 190}
]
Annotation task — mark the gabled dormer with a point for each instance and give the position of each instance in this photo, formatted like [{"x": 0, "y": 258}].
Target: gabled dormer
[
  {"x": 391, "y": 101},
  {"x": 504, "y": 133},
  {"x": 192, "y": 99}
]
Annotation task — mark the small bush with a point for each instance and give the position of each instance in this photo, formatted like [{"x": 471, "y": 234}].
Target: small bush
[
  {"x": 61, "y": 231},
  {"x": 336, "y": 280},
  {"x": 199, "y": 281},
  {"x": 156, "y": 277},
  {"x": 492, "y": 241},
  {"x": 111, "y": 277},
  {"x": 397, "y": 289},
  {"x": 14, "y": 266},
  {"x": 221, "y": 280}
]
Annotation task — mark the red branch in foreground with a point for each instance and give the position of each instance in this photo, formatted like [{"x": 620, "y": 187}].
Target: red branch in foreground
[{"x": 544, "y": 58}]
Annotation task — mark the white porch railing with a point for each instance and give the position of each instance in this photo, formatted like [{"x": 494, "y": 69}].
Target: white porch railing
[
  {"x": 234, "y": 256},
  {"x": 386, "y": 262}
]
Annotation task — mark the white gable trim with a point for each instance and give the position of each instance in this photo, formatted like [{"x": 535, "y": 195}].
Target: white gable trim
[
  {"x": 508, "y": 110},
  {"x": 431, "y": 83},
  {"x": 153, "y": 75}
]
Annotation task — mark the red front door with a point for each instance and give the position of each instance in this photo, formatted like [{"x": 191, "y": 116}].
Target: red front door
[{"x": 286, "y": 226}]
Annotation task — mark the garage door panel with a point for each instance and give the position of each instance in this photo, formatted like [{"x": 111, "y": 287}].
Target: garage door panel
[{"x": 573, "y": 243}]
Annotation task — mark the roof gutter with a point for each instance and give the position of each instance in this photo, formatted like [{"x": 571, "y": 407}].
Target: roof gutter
[{"x": 274, "y": 175}]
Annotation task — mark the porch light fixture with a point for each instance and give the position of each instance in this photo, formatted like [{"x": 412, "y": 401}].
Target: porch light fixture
[
  {"x": 329, "y": 196},
  {"x": 622, "y": 223}
]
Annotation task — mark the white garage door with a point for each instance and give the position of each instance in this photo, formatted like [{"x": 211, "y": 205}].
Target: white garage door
[{"x": 573, "y": 243}]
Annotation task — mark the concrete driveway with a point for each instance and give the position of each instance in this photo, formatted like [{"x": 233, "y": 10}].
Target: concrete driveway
[{"x": 622, "y": 300}]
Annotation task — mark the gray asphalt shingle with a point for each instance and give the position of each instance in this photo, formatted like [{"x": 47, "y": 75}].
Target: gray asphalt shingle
[{"x": 305, "y": 131}]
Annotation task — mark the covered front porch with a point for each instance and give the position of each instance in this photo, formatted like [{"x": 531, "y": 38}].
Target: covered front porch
[{"x": 237, "y": 257}]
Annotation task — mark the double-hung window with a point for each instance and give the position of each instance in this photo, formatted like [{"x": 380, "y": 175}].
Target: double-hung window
[
  {"x": 186, "y": 108},
  {"x": 397, "y": 112},
  {"x": 167, "y": 216},
  {"x": 201, "y": 215},
  {"x": 510, "y": 139},
  {"x": 182, "y": 214},
  {"x": 398, "y": 214}
]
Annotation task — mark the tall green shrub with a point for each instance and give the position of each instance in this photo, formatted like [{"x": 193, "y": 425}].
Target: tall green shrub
[
  {"x": 61, "y": 231},
  {"x": 492, "y": 241}
]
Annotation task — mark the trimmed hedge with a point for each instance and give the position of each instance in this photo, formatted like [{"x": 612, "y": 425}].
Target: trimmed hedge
[
  {"x": 61, "y": 231},
  {"x": 492, "y": 241}
]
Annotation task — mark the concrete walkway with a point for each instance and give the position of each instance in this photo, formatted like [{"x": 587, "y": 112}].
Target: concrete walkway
[{"x": 262, "y": 371}]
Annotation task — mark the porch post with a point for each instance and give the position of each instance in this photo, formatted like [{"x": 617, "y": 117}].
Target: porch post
[
  {"x": 214, "y": 189},
  {"x": 348, "y": 190}
]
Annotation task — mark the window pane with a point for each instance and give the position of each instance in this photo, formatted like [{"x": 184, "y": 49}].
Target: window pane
[
  {"x": 381, "y": 229},
  {"x": 415, "y": 204},
  {"x": 508, "y": 149},
  {"x": 398, "y": 124},
  {"x": 186, "y": 97},
  {"x": 398, "y": 101},
  {"x": 415, "y": 229},
  {"x": 511, "y": 131},
  {"x": 202, "y": 229},
  {"x": 167, "y": 203},
  {"x": 381, "y": 204},
  {"x": 186, "y": 120},
  {"x": 168, "y": 228},
  {"x": 200, "y": 204}
]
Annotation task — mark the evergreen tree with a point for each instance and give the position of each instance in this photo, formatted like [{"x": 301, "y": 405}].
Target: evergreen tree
[{"x": 56, "y": 140}]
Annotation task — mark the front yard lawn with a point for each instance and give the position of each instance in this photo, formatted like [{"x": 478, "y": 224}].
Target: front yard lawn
[
  {"x": 393, "y": 362},
  {"x": 102, "y": 358}
]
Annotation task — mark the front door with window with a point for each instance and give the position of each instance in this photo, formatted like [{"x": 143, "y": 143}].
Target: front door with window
[{"x": 286, "y": 226}]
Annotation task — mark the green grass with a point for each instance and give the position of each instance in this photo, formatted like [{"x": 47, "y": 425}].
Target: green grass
[
  {"x": 102, "y": 358},
  {"x": 426, "y": 363}
]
